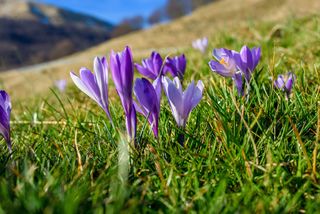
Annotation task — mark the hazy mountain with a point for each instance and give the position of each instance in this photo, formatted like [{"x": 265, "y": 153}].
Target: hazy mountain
[{"x": 32, "y": 33}]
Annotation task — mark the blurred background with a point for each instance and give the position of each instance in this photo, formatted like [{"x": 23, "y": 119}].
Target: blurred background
[
  {"x": 41, "y": 41},
  {"x": 41, "y": 30}
]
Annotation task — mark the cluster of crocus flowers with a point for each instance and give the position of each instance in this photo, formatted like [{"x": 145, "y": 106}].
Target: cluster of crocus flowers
[
  {"x": 96, "y": 85},
  {"x": 236, "y": 65},
  {"x": 5, "y": 110},
  {"x": 148, "y": 95},
  {"x": 200, "y": 44},
  {"x": 285, "y": 83}
]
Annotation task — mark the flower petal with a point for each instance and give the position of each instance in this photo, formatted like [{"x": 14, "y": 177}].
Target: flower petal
[
  {"x": 279, "y": 82},
  {"x": 101, "y": 76},
  {"x": 174, "y": 98},
  {"x": 83, "y": 87},
  {"x": 220, "y": 69},
  {"x": 256, "y": 55},
  {"x": 146, "y": 94},
  {"x": 290, "y": 81},
  {"x": 144, "y": 71},
  {"x": 246, "y": 57},
  {"x": 238, "y": 80}
]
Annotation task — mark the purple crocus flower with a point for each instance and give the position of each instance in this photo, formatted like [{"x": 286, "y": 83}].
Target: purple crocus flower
[
  {"x": 148, "y": 102},
  {"x": 226, "y": 66},
  {"x": 95, "y": 85},
  {"x": 151, "y": 67},
  {"x": 182, "y": 102},
  {"x": 176, "y": 66},
  {"x": 122, "y": 69},
  {"x": 248, "y": 61},
  {"x": 61, "y": 84},
  {"x": 5, "y": 110},
  {"x": 200, "y": 44},
  {"x": 285, "y": 82}
]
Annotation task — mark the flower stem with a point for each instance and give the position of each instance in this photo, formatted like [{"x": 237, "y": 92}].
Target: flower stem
[{"x": 181, "y": 139}]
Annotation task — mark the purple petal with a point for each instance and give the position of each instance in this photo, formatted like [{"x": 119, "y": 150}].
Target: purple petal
[
  {"x": 145, "y": 72},
  {"x": 290, "y": 81},
  {"x": 220, "y": 69},
  {"x": 176, "y": 102},
  {"x": 238, "y": 80},
  {"x": 197, "y": 96},
  {"x": 121, "y": 65},
  {"x": 177, "y": 83},
  {"x": 140, "y": 109},
  {"x": 79, "y": 83},
  {"x": 131, "y": 123},
  {"x": 256, "y": 55},
  {"x": 246, "y": 57},
  {"x": 182, "y": 64},
  {"x": 170, "y": 67},
  {"x": 101, "y": 76},
  {"x": 157, "y": 85},
  {"x": 239, "y": 63},
  {"x": 145, "y": 94},
  {"x": 191, "y": 97},
  {"x": 61, "y": 84},
  {"x": 115, "y": 71},
  {"x": 89, "y": 80},
  {"x": 187, "y": 100},
  {"x": 127, "y": 69},
  {"x": 174, "y": 97},
  {"x": 218, "y": 53},
  {"x": 157, "y": 63},
  {"x": 148, "y": 100},
  {"x": 5, "y": 124},
  {"x": 279, "y": 82},
  {"x": 5, "y": 100},
  {"x": 201, "y": 44},
  {"x": 5, "y": 111}
]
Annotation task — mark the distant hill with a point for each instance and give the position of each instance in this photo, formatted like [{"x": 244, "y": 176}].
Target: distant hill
[
  {"x": 32, "y": 33},
  {"x": 220, "y": 16}
]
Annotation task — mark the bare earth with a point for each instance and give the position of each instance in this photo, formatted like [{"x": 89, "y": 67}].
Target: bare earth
[{"x": 224, "y": 14}]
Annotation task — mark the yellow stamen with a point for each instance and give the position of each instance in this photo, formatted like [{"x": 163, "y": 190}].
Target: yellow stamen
[{"x": 223, "y": 62}]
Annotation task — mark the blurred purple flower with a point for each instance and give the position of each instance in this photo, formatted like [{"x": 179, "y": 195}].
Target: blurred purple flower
[
  {"x": 61, "y": 84},
  {"x": 249, "y": 60},
  {"x": 226, "y": 66},
  {"x": 95, "y": 85},
  {"x": 148, "y": 102},
  {"x": 285, "y": 82},
  {"x": 5, "y": 110},
  {"x": 200, "y": 44},
  {"x": 182, "y": 102},
  {"x": 151, "y": 67},
  {"x": 176, "y": 66},
  {"x": 122, "y": 69}
]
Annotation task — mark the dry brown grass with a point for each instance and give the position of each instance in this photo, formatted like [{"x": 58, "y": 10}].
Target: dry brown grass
[{"x": 224, "y": 14}]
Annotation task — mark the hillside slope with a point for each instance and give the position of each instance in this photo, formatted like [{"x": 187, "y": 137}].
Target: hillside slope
[
  {"x": 28, "y": 30},
  {"x": 224, "y": 15}
]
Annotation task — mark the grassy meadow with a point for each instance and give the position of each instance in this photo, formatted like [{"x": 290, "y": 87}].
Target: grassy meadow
[{"x": 255, "y": 155}]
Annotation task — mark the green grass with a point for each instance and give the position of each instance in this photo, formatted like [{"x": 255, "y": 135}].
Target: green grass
[{"x": 245, "y": 157}]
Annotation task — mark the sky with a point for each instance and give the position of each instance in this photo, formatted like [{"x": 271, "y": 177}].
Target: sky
[{"x": 109, "y": 10}]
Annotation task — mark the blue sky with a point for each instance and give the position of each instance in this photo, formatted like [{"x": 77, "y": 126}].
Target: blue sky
[{"x": 110, "y": 10}]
